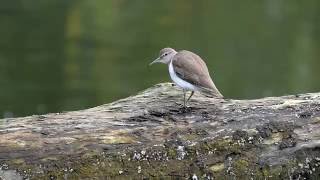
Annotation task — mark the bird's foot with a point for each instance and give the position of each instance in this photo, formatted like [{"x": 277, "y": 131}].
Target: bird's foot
[{"x": 184, "y": 109}]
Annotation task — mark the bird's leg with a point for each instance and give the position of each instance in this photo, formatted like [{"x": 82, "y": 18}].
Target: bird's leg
[
  {"x": 184, "y": 98},
  {"x": 192, "y": 92}
]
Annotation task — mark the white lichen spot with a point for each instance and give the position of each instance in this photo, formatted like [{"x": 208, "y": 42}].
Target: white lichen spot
[
  {"x": 136, "y": 156},
  {"x": 241, "y": 142},
  {"x": 139, "y": 169},
  {"x": 250, "y": 139},
  {"x": 194, "y": 177},
  {"x": 158, "y": 145},
  {"x": 181, "y": 152},
  {"x": 307, "y": 160},
  {"x": 229, "y": 165},
  {"x": 260, "y": 139},
  {"x": 4, "y": 166}
]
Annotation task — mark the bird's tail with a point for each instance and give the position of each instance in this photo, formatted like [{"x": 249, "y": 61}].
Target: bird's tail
[{"x": 214, "y": 93}]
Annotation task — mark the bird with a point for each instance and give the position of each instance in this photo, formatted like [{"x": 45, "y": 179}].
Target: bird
[{"x": 189, "y": 72}]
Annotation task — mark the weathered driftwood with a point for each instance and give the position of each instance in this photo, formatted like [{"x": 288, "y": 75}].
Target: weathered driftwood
[{"x": 149, "y": 135}]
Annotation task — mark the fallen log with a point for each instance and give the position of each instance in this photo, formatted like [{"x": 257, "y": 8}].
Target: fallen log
[{"x": 150, "y": 135}]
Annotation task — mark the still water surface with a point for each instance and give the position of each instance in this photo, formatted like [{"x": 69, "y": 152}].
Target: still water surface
[{"x": 68, "y": 55}]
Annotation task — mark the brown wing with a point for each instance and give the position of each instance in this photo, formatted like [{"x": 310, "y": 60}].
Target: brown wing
[{"x": 191, "y": 68}]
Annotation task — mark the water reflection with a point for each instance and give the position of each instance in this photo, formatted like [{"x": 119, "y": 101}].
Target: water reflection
[{"x": 68, "y": 55}]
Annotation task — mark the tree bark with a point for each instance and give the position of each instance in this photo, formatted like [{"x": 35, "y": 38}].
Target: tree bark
[{"x": 150, "y": 135}]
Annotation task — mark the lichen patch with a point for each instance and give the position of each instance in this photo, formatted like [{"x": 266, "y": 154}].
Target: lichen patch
[{"x": 217, "y": 167}]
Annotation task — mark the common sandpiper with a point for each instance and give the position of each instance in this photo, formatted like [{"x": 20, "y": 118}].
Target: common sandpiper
[{"x": 188, "y": 71}]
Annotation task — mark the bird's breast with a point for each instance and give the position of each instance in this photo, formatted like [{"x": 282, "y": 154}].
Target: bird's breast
[{"x": 180, "y": 82}]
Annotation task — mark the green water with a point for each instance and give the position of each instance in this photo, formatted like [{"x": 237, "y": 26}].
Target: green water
[{"x": 58, "y": 55}]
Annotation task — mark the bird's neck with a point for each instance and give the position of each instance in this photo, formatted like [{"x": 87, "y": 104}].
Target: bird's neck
[{"x": 170, "y": 57}]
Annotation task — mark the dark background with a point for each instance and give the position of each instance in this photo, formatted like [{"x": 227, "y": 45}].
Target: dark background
[{"x": 61, "y": 55}]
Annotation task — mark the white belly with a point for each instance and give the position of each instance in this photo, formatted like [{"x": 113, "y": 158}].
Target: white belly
[{"x": 180, "y": 82}]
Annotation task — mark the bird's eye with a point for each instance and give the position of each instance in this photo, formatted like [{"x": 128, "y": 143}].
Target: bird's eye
[{"x": 166, "y": 54}]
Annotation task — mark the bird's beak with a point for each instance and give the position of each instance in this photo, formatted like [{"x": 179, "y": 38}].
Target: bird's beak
[{"x": 155, "y": 61}]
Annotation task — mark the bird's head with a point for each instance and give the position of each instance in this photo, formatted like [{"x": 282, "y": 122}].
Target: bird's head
[{"x": 165, "y": 56}]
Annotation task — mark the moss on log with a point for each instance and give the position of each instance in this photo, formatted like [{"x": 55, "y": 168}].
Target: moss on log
[{"x": 150, "y": 136}]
